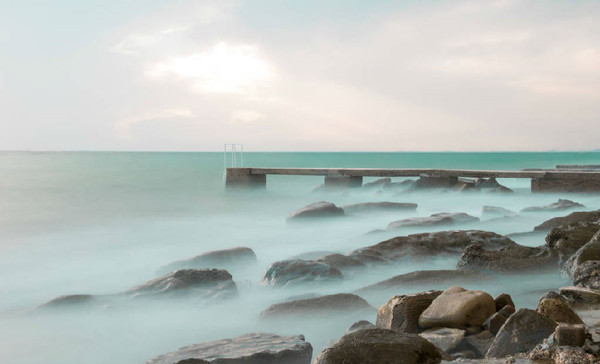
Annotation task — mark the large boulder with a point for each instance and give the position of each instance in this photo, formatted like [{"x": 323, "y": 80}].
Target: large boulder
[
  {"x": 401, "y": 313},
  {"x": 458, "y": 308},
  {"x": 316, "y": 210},
  {"x": 558, "y": 311},
  {"x": 589, "y": 252},
  {"x": 226, "y": 259},
  {"x": 568, "y": 238},
  {"x": 379, "y": 346},
  {"x": 510, "y": 259},
  {"x": 428, "y": 245},
  {"x": 379, "y": 206},
  {"x": 561, "y": 204},
  {"x": 521, "y": 333},
  {"x": 445, "y": 277},
  {"x": 591, "y": 216},
  {"x": 199, "y": 283},
  {"x": 445, "y": 218},
  {"x": 292, "y": 272},
  {"x": 587, "y": 274},
  {"x": 324, "y": 305},
  {"x": 255, "y": 348}
]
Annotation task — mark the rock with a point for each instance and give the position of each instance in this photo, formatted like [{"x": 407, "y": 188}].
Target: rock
[
  {"x": 587, "y": 275},
  {"x": 291, "y": 272},
  {"x": 497, "y": 211},
  {"x": 447, "y": 218},
  {"x": 428, "y": 245},
  {"x": 377, "y": 183},
  {"x": 341, "y": 262},
  {"x": 444, "y": 339},
  {"x": 446, "y": 277},
  {"x": 570, "y": 355},
  {"x": 521, "y": 333},
  {"x": 501, "y": 189},
  {"x": 591, "y": 216},
  {"x": 401, "y": 313},
  {"x": 252, "y": 348},
  {"x": 567, "y": 239},
  {"x": 199, "y": 283},
  {"x": 570, "y": 335},
  {"x": 395, "y": 186},
  {"x": 316, "y": 210},
  {"x": 379, "y": 206},
  {"x": 324, "y": 305},
  {"x": 510, "y": 259},
  {"x": 589, "y": 252},
  {"x": 480, "y": 343},
  {"x": 557, "y": 311},
  {"x": 360, "y": 325},
  {"x": 496, "y": 320},
  {"x": 581, "y": 294},
  {"x": 488, "y": 183},
  {"x": 556, "y": 206},
  {"x": 70, "y": 301},
  {"x": 553, "y": 295},
  {"x": 427, "y": 181},
  {"x": 378, "y": 346},
  {"x": 458, "y": 308},
  {"x": 226, "y": 259},
  {"x": 502, "y": 300}
]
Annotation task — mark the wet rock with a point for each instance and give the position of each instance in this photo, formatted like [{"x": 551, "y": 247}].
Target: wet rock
[
  {"x": 496, "y": 320},
  {"x": 555, "y": 206},
  {"x": 479, "y": 343},
  {"x": 401, "y": 313},
  {"x": 570, "y": 335},
  {"x": 379, "y": 206},
  {"x": 510, "y": 259},
  {"x": 444, "y": 338},
  {"x": 587, "y": 275},
  {"x": 500, "y": 189},
  {"x": 336, "y": 303},
  {"x": 488, "y": 183},
  {"x": 581, "y": 294},
  {"x": 311, "y": 255},
  {"x": 316, "y": 210},
  {"x": 447, "y": 277},
  {"x": 255, "y": 348},
  {"x": 341, "y": 262},
  {"x": 521, "y": 333},
  {"x": 558, "y": 311},
  {"x": 570, "y": 355},
  {"x": 360, "y": 325},
  {"x": 567, "y": 239},
  {"x": 494, "y": 211},
  {"x": 427, "y": 181},
  {"x": 458, "y": 308},
  {"x": 377, "y": 183},
  {"x": 199, "y": 283},
  {"x": 591, "y": 216},
  {"x": 292, "y": 272},
  {"x": 70, "y": 301},
  {"x": 429, "y": 245},
  {"x": 378, "y": 346},
  {"x": 227, "y": 258},
  {"x": 504, "y": 299},
  {"x": 446, "y": 218},
  {"x": 589, "y": 252}
]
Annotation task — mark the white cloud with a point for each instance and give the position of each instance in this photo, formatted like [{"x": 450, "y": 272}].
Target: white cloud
[
  {"x": 246, "y": 116},
  {"x": 123, "y": 127}
]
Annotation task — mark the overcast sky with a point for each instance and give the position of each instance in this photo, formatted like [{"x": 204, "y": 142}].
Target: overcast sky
[{"x": 293, "y": 75}]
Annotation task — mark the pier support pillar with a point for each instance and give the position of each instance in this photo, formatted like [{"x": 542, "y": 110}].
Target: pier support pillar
[
  {"x": 553, "y": 184},
  {"x": 343, "y": 182},
  {"x": 243, "y": 178}
]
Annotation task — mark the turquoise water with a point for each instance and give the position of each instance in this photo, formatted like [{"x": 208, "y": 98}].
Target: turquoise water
[{"x": 101, "y": 222}]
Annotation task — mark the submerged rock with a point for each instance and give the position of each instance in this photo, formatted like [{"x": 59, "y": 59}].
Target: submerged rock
[
  {"x": 201, "y": 283},
  {"x": 379, "y": 206},
  {"x": 378, "y": 346},
  {"x": 591, "y": 216},
  {"x": 336, "y": 303},
  {"x": 252, "y": 348},
  {"x": 446, "y": 218},
  {"x": 458, "y": 308},
  {"x": 428, "y": 277},
  {"x": 568, "y": 238},
  {"x": 227, "y": 258},
  {"x": 556, "y": 206},
  {"x": 360, "y": 325},
  {"x": 494, "y": 211},
  {"x": 341, "y": 262},
  {"x": 401, "y": 313},
  {"x": 316, "y": 210},
  {"x": 291, "y": 272},
  {"x": 444, "y": 339},
  {"x": 377, "y": 183},
  {"x": 70, "y": 301},
  {"x": 510, "y": 259}
]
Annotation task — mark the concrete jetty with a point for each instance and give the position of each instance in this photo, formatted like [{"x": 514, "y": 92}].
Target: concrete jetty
[{"x": 561, "y": 179}]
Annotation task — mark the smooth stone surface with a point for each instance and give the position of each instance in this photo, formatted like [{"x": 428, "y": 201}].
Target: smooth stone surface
[
  {"x": 557, "y": 311},
  {"x": 341, "y": 262},
  {"x": 446, "y": 218},
  {"x": 380, "y": 346},
  {"x": 581, "y": 294},
  {"x": 255, "y": 348},
  {"x": 494, "y": 211},
  {"x": 521, "y": 333},
  {"x": 330, "y": 304},
  {"x": 587, "y": 275},
  {"x": 316, "y": 210},
  {"x": 291, "y": 272},
  {"x": 514, "y": 258},
  {"x": 502, "y": 300},
  {"x": 570, "y": 335},
  {"x": 379, "y": 206},
  {"x": 591, "y": 216},
  {"x": 226, "y": 258},
  {"x": 480, "y": 343},
  {"x": 458, "y": 308},
  {"x": 444, "y": 338},
  {"x": 494, "y": 323},
  {"x": 402, "y": 312},
  {"x": 447, "y": 277},
  {"x": 561, "y": 204}
]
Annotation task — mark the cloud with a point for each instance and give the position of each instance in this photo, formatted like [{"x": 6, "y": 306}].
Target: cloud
[
  {"x": 246, "y": 116},
  {"x": 124, "y": 126}
]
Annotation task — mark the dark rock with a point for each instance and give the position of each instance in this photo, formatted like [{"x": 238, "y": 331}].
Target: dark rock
[
  {"x": 256, "y": 348},
  {"x": 227, "y": 259},
  {"x": 446, "y": 218},
  {"x": 557, "y": 311},
  {"x": 401, "y": 313},
  {"x": 501, "y": 189},
  {"x": 311, "y": 255},
  {"x": 199, "y": 283},
  {"x": 377, "y": 183},
  {"x": 497, "y": 211},
  {"x": 379, "y": 346},
  {"x": 510, "y": 259},
  {"x": 480, "y": 343},
  {"x": 448, "y": 277},
  {"x": 521, "y": 333},
  {"x": 336, "y": 303},
  {"x": 556, "y": 206},
  {"x": 316, "y": 210},
  {"x": 570, "y": 335},
  {"x": 502, "y": 300},
  {"x": 567, "y": 239},
  {"x": 488, "y": 183},
  {"x": 444, "y": 338},
  {"x": 341, "y": 262},
  {"x": 426, "y": 181},
  {"x": 291, "y": 272},
  {"x": 496, "y": 320},
  {"x": 360, "y": 325},
  {"x": 553, "y": 295},
  {"x": 70, "y": 301},
  {"x": 458, "y": 308},
  {"x": 591, "y": 216},
  {"x": 394, "y": 186},
  {"x": 587, "y": 274},
  {"x": 589, "y": 252},
  {"x": 379, "y": 206},
  {"x": 581, "y": 294}
]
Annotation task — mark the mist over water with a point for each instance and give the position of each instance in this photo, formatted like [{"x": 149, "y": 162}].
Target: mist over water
[{"x": 100, "y": 223}]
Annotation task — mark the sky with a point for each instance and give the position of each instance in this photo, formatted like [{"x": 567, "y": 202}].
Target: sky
[{"x": 311, "y": 75}]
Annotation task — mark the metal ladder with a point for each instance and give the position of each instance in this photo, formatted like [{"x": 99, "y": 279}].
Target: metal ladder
[{"x": 235, "y": 159}]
